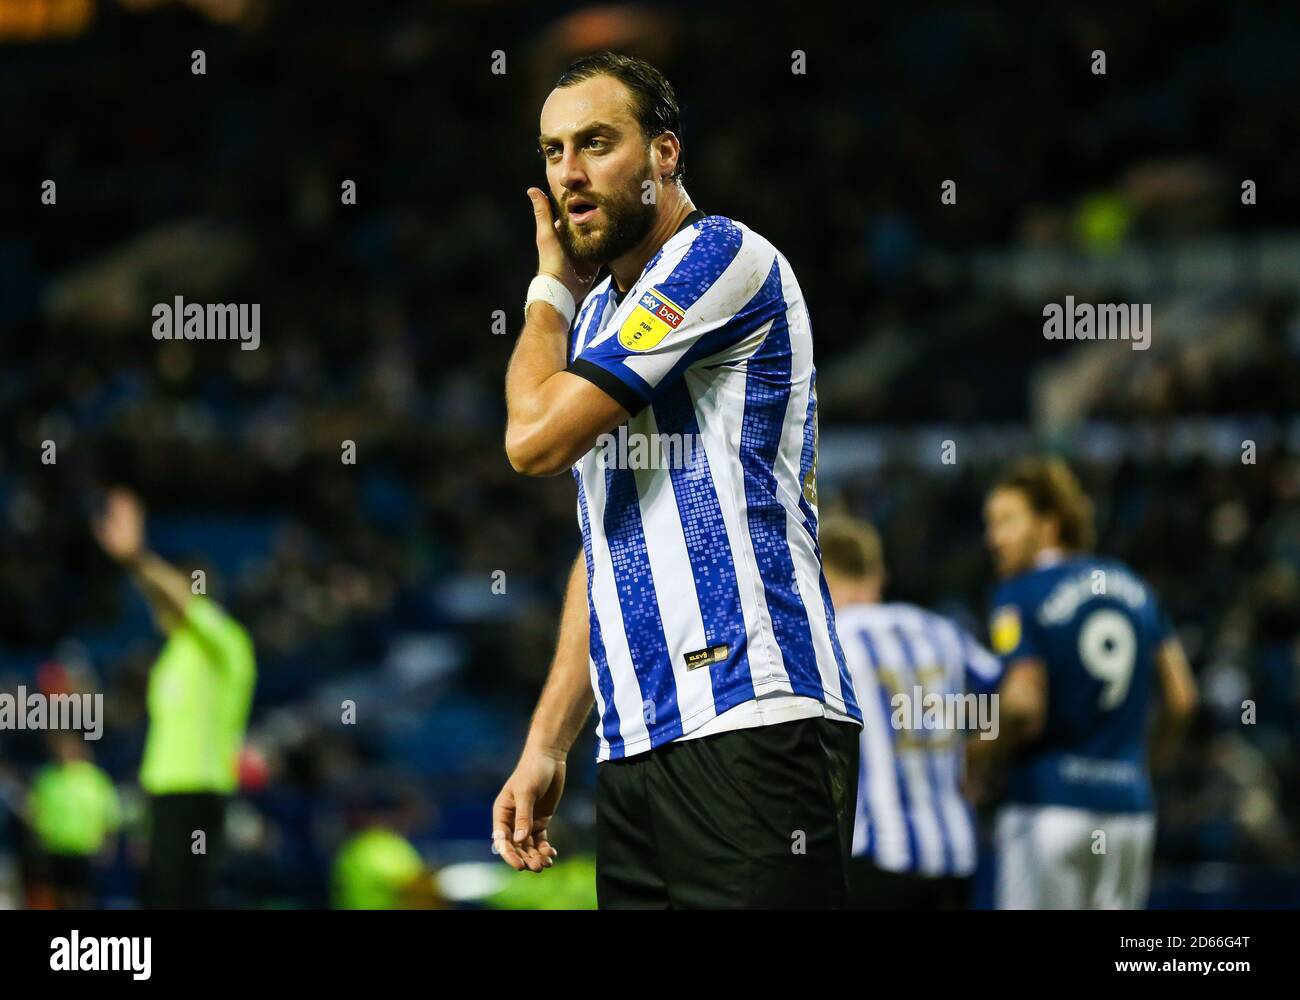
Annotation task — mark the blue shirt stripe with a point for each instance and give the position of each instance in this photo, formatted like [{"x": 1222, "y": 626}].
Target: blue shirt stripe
[{"x": 767, "y": 394}]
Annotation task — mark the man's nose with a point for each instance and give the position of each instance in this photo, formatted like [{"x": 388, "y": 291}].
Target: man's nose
[{"x": 572, "y": 176}]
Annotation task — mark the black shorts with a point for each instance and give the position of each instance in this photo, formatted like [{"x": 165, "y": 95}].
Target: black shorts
[
  {"x": 872, "y": 888},
  {"x": 753, "y": 818},
  {"x": 177, "y": 878}
]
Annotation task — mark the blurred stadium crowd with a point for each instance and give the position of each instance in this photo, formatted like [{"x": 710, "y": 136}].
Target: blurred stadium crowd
[{"x": 374, "y": 582}]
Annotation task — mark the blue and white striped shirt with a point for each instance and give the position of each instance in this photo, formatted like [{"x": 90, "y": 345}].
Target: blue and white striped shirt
[
  {"x": 912, "y": 816},
  {"x": 704, "y": 576}
]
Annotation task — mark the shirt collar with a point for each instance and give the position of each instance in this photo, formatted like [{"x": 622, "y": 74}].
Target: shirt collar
[{"x": 690, "y": 220}]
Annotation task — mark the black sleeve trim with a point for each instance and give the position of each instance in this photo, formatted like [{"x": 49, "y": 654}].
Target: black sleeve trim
[{"x": 611, "y": 385}]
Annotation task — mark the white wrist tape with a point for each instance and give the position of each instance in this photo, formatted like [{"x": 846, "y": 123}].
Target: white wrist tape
[{"x": 544, "y": 288}]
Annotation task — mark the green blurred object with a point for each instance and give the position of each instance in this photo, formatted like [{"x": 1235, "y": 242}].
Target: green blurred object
[
  {"x": 1102, "y": 221},
  {"x": 200, "y": 693},
  {"x": 375, "y": 871},
  {"x": 569, "y": 885},
  {"x": 73, "y": 808}
]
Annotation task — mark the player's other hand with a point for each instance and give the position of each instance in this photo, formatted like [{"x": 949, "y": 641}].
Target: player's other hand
[
  {"x": 119, "y": 527},
  {"x": 551, "y": 258},
  {"x": 523, "y": 811}
]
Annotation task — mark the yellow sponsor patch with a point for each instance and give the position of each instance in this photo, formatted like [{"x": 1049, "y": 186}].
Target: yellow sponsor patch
[
  {"x": 654, "y": 317},
  {"x": 1004, "y": 630}
]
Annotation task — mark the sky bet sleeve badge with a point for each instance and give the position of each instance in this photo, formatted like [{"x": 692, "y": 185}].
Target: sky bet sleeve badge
[
  {"x": 654, "y": 317},
  {"x": 1005, "y": 630}
]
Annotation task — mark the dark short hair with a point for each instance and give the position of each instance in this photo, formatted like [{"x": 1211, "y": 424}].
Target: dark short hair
[
  {"x": 1053, "y": 491},
  {"x": 654, "y": 105}
]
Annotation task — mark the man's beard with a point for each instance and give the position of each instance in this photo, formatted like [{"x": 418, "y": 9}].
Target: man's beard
[{"x": 626, "y": 223}]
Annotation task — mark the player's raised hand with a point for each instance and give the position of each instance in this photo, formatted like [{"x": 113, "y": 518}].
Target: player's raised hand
[
  {"x": 523, "y": 810},
  {"x": 119, "y": 527},
  {"x": 551, "y": 258}
]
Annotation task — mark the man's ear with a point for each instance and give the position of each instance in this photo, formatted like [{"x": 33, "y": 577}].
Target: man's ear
[{"x": 666, "y": 146}]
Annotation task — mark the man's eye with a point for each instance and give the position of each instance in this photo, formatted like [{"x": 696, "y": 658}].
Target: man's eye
[{"x": 595, "y": 143}]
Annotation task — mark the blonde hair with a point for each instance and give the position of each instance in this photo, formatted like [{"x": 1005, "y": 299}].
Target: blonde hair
[{"x": 850, "y": 547}]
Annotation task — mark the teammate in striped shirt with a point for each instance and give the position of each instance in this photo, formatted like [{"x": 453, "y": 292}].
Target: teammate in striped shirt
[
  {"x": 914, "y": 842},
  {"x": 697, "y": 615}
]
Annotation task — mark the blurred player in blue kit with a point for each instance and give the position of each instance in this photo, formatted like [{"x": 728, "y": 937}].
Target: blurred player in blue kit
[{"x": 1089, "y": 656}]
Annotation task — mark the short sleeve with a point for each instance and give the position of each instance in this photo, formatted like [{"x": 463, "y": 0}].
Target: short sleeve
[
  {"x": 1012, "y": 629},
  {"x": 220, "y": 634},
  {"x": 695, "y": 302}
]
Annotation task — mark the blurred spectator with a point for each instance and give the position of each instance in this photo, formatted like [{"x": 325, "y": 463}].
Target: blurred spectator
[{"x": 72, "y": 812}]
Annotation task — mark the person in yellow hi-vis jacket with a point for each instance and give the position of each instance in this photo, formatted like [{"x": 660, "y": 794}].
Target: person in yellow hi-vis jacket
[
  {"x": 72, "y": 812},
  {"x": 200, "y": 694},
  {"x": 379, "y": 869}
]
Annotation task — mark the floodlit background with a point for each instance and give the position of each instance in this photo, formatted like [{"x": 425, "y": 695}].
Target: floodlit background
[{"x": 373, "y": 582}]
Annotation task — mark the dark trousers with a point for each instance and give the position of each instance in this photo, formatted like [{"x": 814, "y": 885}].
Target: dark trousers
[
  {"x": 178, "y": 878},
  {"x": 872, "y": 888},
  {"x": 754, "y": 818}
]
